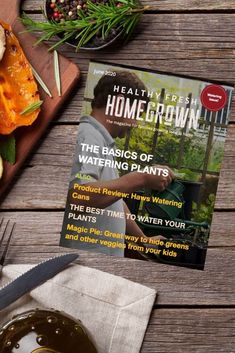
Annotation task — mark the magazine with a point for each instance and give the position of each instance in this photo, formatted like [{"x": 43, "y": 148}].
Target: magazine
[{"x": 146, "y": 166}]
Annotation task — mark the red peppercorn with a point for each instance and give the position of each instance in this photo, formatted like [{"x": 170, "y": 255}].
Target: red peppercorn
[
  {"x": 56, "y": 14},
  {"x": 52, "y": 5}
]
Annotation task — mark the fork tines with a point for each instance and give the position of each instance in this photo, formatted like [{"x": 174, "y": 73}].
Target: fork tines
[{"x": 4, "y": 253}]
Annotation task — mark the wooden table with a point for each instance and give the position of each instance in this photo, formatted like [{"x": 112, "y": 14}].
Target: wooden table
[{"x": 195, "y": 311}]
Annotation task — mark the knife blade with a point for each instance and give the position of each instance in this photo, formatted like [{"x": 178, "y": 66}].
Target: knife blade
[{"x": 33, "y": 278}]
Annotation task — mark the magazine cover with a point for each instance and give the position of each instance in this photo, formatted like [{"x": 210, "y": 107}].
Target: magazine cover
[{"x": 146, "y": 166}]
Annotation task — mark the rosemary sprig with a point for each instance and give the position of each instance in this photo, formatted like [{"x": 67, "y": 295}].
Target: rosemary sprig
[
  {"x": 99, "y": 18},
  {"x": 57, "y": 72},
  {"x": 31, "y": 108},
  {"x": 41, "y": 82}
]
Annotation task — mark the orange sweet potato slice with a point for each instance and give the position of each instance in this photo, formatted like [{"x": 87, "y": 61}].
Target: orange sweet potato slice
[{"x": 18, "y": 88}]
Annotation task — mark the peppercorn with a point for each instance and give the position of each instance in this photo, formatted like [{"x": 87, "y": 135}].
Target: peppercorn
[{"x": 69, "y": 10}]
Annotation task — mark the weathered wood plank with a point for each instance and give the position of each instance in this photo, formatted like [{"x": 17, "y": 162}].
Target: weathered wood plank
[
  {"x": 44, "y": 181},
  {"x": 45, "y": 187},
  {"x": 161, "y": 5},
  {"x": 190, "y": 330},
  {"x": 200, "y": 45},
  {"x": 31, "y": 226},
  {"x": 36, "y": 237}
]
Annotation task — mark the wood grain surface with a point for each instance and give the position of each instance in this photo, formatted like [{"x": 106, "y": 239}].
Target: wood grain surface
[
  {"x": 164, "y": 5},
  {"x": 194, "y": 311},
  {"x": 190, "y": 330},
  {"x": 200, "y": 45}
]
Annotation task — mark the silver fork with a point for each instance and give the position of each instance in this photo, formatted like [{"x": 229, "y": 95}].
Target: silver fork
[{"x": 5, "y": 232}]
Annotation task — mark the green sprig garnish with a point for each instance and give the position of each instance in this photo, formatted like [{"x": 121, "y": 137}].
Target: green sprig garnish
[
  {"x": 98, "y": 19},
  {"x": 57, "y": 72},
  {"x": 41, "y": 82},
  {"x": 31, "y": 108},
  {"x": 8, "y": 148}
]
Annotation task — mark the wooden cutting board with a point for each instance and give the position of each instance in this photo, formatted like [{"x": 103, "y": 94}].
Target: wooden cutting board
[{"x": 42, "y": 61}]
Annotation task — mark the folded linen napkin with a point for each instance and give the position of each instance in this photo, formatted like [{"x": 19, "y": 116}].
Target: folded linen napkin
[{"x": 114, "y": 310}]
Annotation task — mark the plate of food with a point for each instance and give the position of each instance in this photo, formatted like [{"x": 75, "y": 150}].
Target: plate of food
[
  {"x": 19, "y": 96},
  {"x": 26, "y": 106}
]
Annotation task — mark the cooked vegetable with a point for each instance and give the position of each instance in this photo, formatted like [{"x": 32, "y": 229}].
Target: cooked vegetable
[
  {"x": 18, "y": 88},
  {"x": 2, "y": 42}
]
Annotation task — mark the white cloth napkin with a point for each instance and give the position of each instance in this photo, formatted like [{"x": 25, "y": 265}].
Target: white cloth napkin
[{"x": 115, "y": 311}]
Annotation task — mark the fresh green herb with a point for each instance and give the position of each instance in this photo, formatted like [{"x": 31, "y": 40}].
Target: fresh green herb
[
  {"x": 41, "y": 82},
  {"x": 98, "y": 19},
  {"x": 31, "y": 108},
  {"x": 8, "y": 148},
  {"x": 57, "y": 72}
]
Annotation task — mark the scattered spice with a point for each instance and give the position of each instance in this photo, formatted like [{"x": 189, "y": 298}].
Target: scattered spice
[{"x": 89, "y": 23}]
